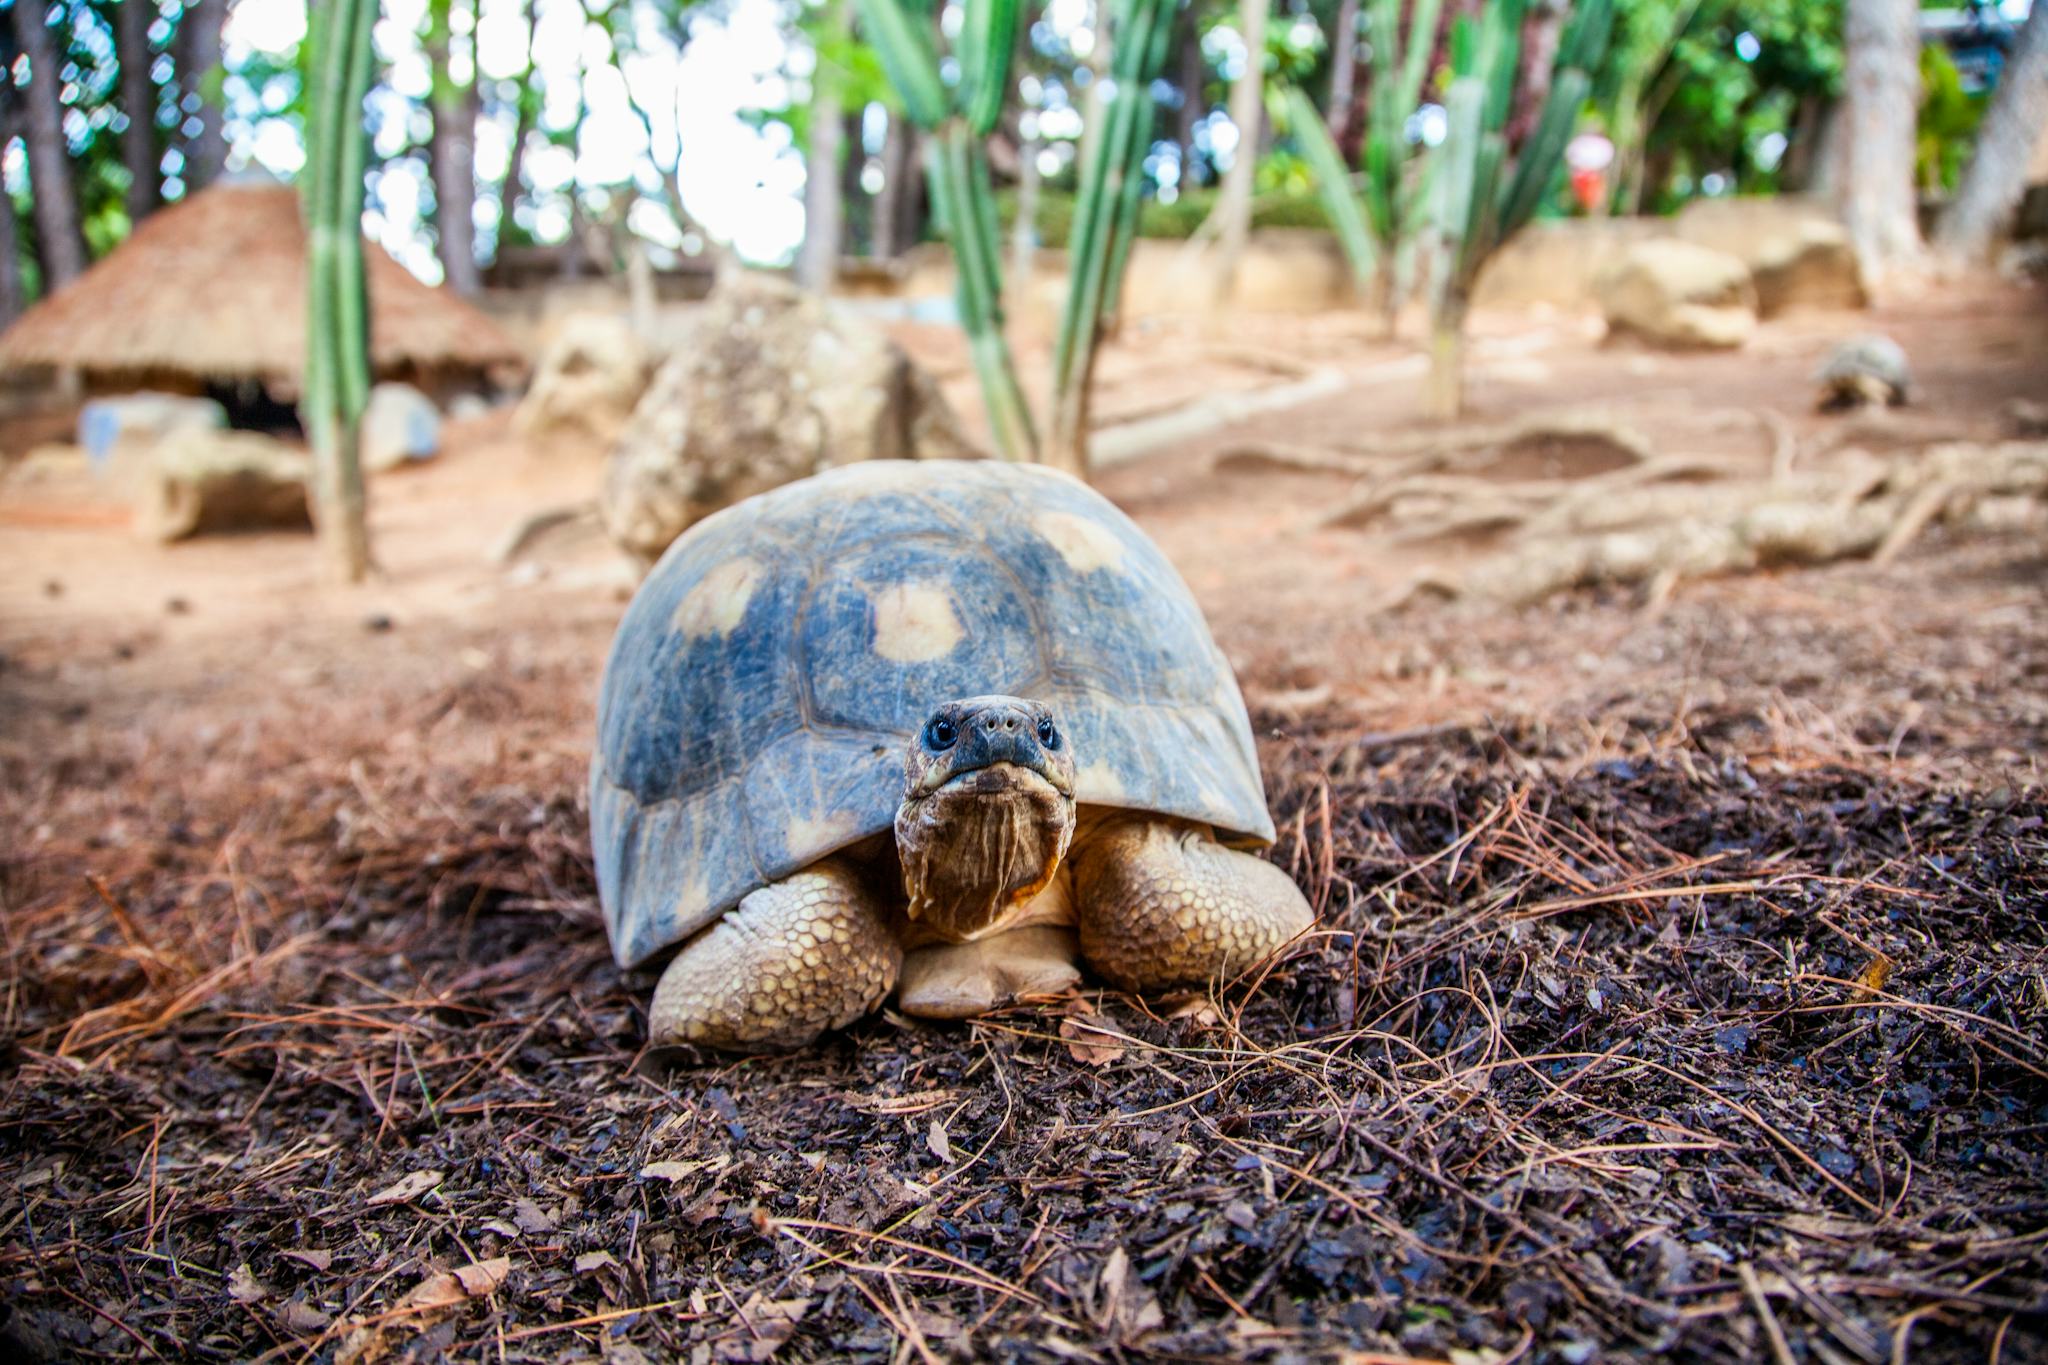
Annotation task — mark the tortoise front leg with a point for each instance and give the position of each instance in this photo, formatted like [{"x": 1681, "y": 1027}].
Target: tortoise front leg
[
  {"x": 811, "y": 952},
  {"x": 1161, "y": 904}
]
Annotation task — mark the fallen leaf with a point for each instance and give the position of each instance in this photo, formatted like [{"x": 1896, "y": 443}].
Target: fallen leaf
[
  {"x": 446, "y": 1288},
  {"x": 1870, "y": 981},
  {"x": 671, "y": 1170},
  {"x": 299, "y": 1316},
  {"x": 1090, "y": 1041},
  {"x": 531, "y": 1218},
  {"x": 317, "y": 1259},
  {"x": 501, "y": 1227},
  {"x": 483, "y": 1277},
  {"x": 412, "y": 1187},
  {"x": 244, "y": 1287},
  {"x": 595, "y": 1260},
  {"x": 941, "y": 1145},
  {"x": 762, "y": 1327},
  {"x": 363, "y": 1346},
  {"x": 1197, "y": 1007}
]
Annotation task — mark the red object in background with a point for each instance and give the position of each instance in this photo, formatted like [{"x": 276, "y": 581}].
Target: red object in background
[{"x": 1589, "y": 187}]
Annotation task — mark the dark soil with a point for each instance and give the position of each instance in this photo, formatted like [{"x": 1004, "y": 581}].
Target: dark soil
[{"x": 1703, "y": 1017}]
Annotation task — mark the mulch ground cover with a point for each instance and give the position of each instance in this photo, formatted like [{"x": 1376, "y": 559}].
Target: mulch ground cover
[{"x": 1642, "y": 1031}]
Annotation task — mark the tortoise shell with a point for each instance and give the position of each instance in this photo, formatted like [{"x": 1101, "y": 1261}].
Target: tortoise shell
[{"x": 769, "y": 674}]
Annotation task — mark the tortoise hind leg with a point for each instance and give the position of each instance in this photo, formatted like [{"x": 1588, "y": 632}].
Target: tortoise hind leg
[
  {"x": 802, "y": 955},
  {"x": 1163, "y": 904}
]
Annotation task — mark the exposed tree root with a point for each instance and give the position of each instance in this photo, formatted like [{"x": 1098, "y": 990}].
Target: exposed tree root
[
  {"x": 1584, "y": 438},
  {"x": 1666, "y": 535}
]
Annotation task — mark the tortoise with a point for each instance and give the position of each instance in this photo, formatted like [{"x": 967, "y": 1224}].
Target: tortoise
[
  {"x": 945, "y": 728},
  {"x": 1865, "y": 371}
]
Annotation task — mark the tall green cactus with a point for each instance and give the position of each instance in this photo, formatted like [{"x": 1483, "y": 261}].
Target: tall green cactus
[
  {"x": 337, "y": 378},
  {"x": 1377, "y": 225},
  {"x": 959, "y": 120},
  {"x": 1480, "y": 201}
]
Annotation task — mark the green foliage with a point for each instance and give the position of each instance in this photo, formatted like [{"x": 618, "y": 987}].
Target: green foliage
[
  {"x": 1948, "y": 122},
  {"x": 1690, "y": 101},
  {"x": 1378, "y": 215},
  {"x": 1481, "y": 199},
  {"x": 1174, "y": 221}
]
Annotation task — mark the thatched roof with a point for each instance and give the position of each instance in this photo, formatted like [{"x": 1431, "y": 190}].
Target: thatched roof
[{"x": 214, "y": 288}]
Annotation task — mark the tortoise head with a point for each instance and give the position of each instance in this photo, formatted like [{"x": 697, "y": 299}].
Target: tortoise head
[{"x": 987, "y": 812}]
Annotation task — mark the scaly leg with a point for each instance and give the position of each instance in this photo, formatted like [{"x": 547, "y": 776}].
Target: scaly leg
[
  {"x": 1163, "y": 904},
  {"x": 811, "y": 952}
]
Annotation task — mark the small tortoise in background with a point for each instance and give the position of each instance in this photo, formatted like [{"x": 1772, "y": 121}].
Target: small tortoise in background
[
  {"x": 942, "y": 728},
  {"x": 1865, "y": 371}
]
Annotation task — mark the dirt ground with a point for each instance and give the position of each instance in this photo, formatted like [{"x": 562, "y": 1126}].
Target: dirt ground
[{"x": 1681, "y": 984}]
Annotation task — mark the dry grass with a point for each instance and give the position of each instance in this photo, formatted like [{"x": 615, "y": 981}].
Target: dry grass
[{"x": 214, "y": 288}]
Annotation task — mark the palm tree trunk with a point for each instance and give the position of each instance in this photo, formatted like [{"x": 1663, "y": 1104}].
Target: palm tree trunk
[
  {"x": 454, "y": 164},
  {"x": 1194, "y": 82},
  {"x": 1882, "y": 88},
  {"x": 199, "y": 44},
  {"x": 138, "y": 101},
  {"x": 896, "y": 225},
  {"x": 1983, "y": 207},
  {"x": 55, "y": 198},
  {"x": 12, "y": 296},
  {"x": 1247, "y": 114},
  {"x": 1343, "y": 71},
  {"x": 817, "y": 264}
]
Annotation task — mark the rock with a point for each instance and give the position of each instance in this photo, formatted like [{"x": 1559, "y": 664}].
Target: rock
[
  {"x": 776, "y": 387},
  {"x": 1811, "y": 266},
  {"x": 1797, "y": 250},
  {"x": 137, "y": 421},
  {"x": 400, "y": 425},
  {"x": 1676, "y": 296},
  {"x": 588, "y": 380},
  {"x": 199, "y": 480}
]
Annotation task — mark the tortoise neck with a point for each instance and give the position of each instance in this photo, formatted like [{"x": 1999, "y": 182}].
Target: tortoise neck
[{"x": 972, "y": 858}]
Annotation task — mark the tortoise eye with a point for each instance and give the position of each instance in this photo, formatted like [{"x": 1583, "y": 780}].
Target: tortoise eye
[
  {"x": 940, "y": 734},
  {"x": 1047, "y": 734}
]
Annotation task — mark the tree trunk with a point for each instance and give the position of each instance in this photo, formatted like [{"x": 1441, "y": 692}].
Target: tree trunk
[
  {"x": 1194, "y": 87},
  {"x": 1881, "y": 90},
  {"x": 896, "y": 218},
  {"x": 1541, "y": 29},
  {"x": 138, "y": 101},
  {"x": 1247, "y": 113},
  {"x": 1997, "y": 176},
  {"x": 50, "y": 187},
  {"x": 817, "y": 263},
  {"x": 513, "y": 185},
  {"x": 199, "y": 46},
  {"x": 1343, "y": 71},
  {"x": 454, "y": 165},
  {"x": 12, "y": 296}
]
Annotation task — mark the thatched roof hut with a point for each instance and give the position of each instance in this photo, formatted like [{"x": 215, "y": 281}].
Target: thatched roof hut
[{"x": 212, "y": 291}]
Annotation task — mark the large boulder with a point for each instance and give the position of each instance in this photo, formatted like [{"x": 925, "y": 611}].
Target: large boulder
[
  {"x": 1811, "y": 266},
  {"x": 775, "y": 387},
  {"x": 108, "y": 428},
  {"x": 1797, "y": 251},
  {"x": 1676, "y": 296},
  {"x": 197, "y": 480},
  {"x": 400, "y": 425},
  {"x": 588, "y": 379}
]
